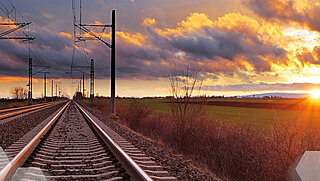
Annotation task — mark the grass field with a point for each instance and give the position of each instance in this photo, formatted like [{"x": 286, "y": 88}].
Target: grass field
[
  {"x": 258, "y": 116},
  {"x": 285, "y": 101}
]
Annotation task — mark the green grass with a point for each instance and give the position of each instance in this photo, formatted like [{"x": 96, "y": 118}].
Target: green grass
[
  {"x": 284, "y": 101},
  {"x": 262, "y": 117}
]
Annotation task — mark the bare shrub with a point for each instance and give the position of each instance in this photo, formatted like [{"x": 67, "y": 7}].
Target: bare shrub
[
  {"x": 183, "y": 85},
  {"x": 135, "y": 114},
  {"x": 187, "y": 110}
]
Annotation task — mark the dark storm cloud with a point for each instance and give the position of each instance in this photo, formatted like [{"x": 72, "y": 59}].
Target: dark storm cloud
[
  {"x": 49, "y": 40},
  {"x": 132, "y": 62},
  {"x": 13, "y": 58},
  {"x": 48, "y": 49},
  {"x": 286, "y": 11},
  {"x": 228, "y": 45}
]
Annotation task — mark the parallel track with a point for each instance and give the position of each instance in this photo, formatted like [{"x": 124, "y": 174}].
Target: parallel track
[
  {"x": 6, "y": 113},
  {"x": 75, "y": 147}
]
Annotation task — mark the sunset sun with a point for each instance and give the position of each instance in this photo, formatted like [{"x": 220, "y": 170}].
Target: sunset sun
[{"x": 315, "y": 93}]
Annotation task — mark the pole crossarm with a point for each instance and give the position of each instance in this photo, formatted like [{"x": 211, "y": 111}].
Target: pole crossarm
[
  {"x": 85, "y": 38},
  {"x": 14, "y": 23},
  {"x": 41, "y": 71},
  {"x": 42, "y": 66},
  {"x": 97, "y": 25},
  {"x": 92, "y": 34},
  {"x": 17, "y": 38},
  {"x": 80, "y": 71},
  {"x": 78, "y": 66},
  {"x": 21, "y": 25}
]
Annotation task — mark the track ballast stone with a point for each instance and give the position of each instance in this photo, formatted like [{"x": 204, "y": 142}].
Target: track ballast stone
[
  {"x": 13, "y": 130},
  {"x": 72, "y": 151}
]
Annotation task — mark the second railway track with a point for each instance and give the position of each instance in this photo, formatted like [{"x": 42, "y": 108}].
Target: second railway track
[
  {"x": 74, "y": 147},
  {"x": 7, "y": 113}
]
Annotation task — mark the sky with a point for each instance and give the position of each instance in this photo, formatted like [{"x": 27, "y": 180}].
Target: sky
[{"x": 238, "y": 47}]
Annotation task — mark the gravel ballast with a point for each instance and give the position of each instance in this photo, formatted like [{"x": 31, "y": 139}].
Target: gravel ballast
[
  {"x": 13, "y": 130},
  {"x": 175, "y": 165}
]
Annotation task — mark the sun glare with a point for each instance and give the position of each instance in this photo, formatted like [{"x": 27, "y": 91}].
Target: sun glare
[{"x": 315, "y": 93}]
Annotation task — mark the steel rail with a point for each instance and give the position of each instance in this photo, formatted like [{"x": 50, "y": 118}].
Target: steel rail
[
  {"x": 18, "y": 108},
  {"x": 9, "y": 170},
  {"x": 138, "y": 172},
  {"x": 23, "y": 111}
]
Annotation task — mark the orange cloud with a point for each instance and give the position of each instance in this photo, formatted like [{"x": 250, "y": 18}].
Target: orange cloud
[
  {"x": 303, "y": 12},
  {"x": 137, "y": 39},
  {"x": 16, "y": 79},
  {"x": 237, "y": 22},
  {"x": 6, "y": 20},
  {"x": 149, "y": 21},
  {"x": 194, "y": 22},
  {"x": 78, "y": 48},
  {"x": 65, "y": 34}
]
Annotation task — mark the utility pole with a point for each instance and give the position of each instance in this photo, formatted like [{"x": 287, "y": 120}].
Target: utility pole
[
  {"x": 92, "y": 82},
  {"x": 83, "y": 27},
  {"x": 56, "y": 91},
  {"x": 113, "y": 65},
  {"x": 30, "y": 81},
  {"x": 52, "y": 90},
  {"x": 83, "y": 96},
  {"x": 45, "y": 85}
]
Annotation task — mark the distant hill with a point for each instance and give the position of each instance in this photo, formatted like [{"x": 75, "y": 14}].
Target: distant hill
[{"x": 284, "y": 95}]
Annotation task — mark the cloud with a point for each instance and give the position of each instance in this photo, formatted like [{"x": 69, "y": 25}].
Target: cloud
[
  {"x": 48, "y": 49},
  {"x": 66, "y": 34},
  {"x": 13, "y": 79},
  {"x": 307, "y": 57},
  {"x": 148, "y": 21},
  {"x": 234, "y": 37},
  {"x": 232, "y": 43},
  {"x": 304, "y": 12}
]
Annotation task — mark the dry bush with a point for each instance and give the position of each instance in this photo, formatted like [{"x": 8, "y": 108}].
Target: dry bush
[
  {"x": 103, "y": 107},
  {"x": 136, "y": 114},
  {"x": 288, "y": 141}
]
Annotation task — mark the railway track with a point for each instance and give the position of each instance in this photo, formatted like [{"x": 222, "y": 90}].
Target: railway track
[
  {"x": 6, "y": 113},
  {"x": 76, "y": 146}
]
